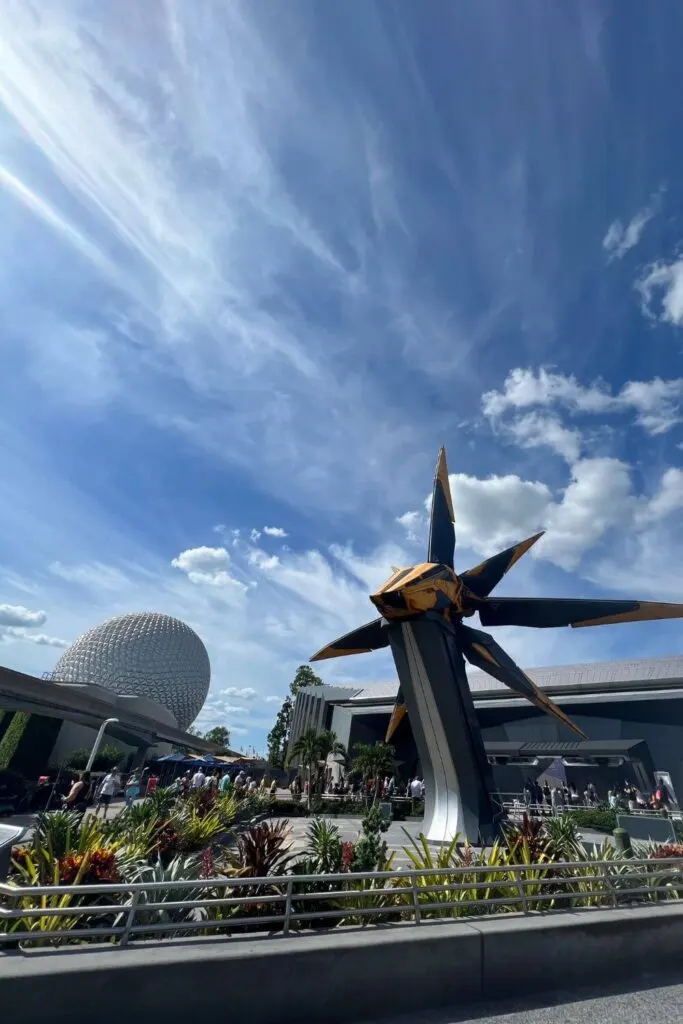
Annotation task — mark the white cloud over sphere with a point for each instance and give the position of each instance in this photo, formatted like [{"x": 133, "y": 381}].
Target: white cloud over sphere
[{"x": 206, "y": 565}]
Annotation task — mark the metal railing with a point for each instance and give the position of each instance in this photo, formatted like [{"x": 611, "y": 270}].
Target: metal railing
[
  {"x": 62, "y": 914},
  {"x": 518, "y": 806}
]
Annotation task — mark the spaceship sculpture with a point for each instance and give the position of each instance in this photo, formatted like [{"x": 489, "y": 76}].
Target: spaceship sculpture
[{"x": 422, "y": 609}]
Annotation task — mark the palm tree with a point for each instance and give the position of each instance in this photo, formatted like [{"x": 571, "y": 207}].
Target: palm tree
[
  {"x": 329, "y": 744},
  {"x": 372, "y": 761},
  {"x": 306, "y": 750}
]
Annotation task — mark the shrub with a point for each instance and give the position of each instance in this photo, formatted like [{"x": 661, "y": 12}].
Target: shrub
[
  {"x": 370, "y": 853},
  {"x": 325, "y": 848},
  {"x": 598, "y": 819},
  {"x": 263, "y": 850},
  {"x": 528, "y": 841},
  {"x": 107, "y": 757},
  {"x": 563, "y": 836}
]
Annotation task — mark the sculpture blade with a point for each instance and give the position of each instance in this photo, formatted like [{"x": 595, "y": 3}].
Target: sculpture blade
[
  {"x": 441, "y": 532},
  {"x": 369, "y": 637},
  {"x": 397, "y": 716},
  {"x": 548, "y": 612},
  {"x": 484, "y": 577},
  {"x": 482, "y": 651}
]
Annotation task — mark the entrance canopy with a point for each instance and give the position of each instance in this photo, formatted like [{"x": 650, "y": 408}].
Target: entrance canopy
[{"x": 577, "y": 753}]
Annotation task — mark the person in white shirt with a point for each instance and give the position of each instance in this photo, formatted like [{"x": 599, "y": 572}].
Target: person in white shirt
[
  {"x": 416, "y": 789},
  {"x": 110, "y": 783},
  {"x": 198, "y": 780}
]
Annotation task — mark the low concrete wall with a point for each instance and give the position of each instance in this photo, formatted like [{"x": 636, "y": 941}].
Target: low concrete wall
[{"x": 344, "y": 976}]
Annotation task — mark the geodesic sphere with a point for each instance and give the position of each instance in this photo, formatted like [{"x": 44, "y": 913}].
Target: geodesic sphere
[{"x": 143, "y": 654}]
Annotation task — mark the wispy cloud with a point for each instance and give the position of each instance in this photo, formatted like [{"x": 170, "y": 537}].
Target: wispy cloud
[
  {"x": 665, "y": 282},
  {"x": 620, "y": 238}
]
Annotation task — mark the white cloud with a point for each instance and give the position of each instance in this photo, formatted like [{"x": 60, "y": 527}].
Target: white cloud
[
  {"x": 262, "y": 560},
  {"x": 619, "y": 239},
  {"x": 411, "y": 523},
  {"x": 497, "y": 511},
  {"x": 17, "y": 615},
  {"x": 273, "y": 698},
  {"x": 656, "y": 403},
  {"x": 16, "y": 621},
  {"x": 40, "y": 639},
  {"x": 275, "y": 531},
  {"x": 44, "y": 641},
  {"x": 234, "y": 709},
  {"x": 536, "y": 431},
  {"x": 255, "y": 535},
  {"x": 598, "y": 498},
  {"x": 667, "y": 499},
  {"x": 242, "y": 693},
  {"x": 666, "y": 282},
  {"x": 207, "y": 565}
]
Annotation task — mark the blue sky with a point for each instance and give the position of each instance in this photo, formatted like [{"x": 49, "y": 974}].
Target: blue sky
[{"x": 258, "y": 261}]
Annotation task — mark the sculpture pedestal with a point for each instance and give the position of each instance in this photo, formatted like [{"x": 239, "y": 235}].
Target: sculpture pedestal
[{"x": 457, "y": 775}]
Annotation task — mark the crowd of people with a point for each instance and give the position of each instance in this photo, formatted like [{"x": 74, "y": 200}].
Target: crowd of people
[
  {"x": 355, "y": 788},
  {"x": 564, "y": 794},
  {"x": 241, "y": 784}
]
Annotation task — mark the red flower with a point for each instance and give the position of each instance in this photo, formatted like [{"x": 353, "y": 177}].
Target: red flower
[
  {"x": 347, "y": 855},
  {"x": 207, "y": 870},
  {"x": 669, "y": 850}
]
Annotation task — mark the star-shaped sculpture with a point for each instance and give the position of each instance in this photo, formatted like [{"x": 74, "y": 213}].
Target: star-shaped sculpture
[{"x": 434, "y": 586}]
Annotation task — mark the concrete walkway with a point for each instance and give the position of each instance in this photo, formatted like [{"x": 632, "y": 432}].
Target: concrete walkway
[{"x": 660, "y": 1005}]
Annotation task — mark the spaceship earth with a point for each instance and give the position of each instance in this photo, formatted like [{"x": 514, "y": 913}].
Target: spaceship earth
[{"x": 143, "y": 654}]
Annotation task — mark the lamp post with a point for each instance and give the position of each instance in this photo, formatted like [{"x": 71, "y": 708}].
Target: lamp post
[{"x": 98, "y": 740}]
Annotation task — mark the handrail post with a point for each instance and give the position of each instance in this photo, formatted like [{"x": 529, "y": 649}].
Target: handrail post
[
  {"x": 520, "y": 879},
  {"x": 608, "y": 882},
  {"x": 130, "y": 917},
  {"x": 416, "y": 902},
  {"x": 288, "y": 906}
]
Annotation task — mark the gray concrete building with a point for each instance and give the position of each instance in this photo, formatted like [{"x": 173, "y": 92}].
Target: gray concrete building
[{"x": 631, "y": 711}]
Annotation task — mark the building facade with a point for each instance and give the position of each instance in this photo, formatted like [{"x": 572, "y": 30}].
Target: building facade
[{"x": 618, "y": 704}]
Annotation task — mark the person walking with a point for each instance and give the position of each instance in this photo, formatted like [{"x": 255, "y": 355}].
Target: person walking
[
  {"x": 78, "y": 797},
  {"x": 198, "y": 780},
  {"x": 110, "y": 783},
  {"x": 132, "y": 788}
]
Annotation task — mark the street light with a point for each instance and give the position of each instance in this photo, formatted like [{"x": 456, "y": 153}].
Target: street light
[{"x": 98, "y": 740}]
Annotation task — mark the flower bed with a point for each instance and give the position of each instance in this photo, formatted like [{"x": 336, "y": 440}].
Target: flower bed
[{"x": 177, "y": 841}]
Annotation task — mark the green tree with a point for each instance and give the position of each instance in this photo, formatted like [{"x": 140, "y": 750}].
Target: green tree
[
  {"x": 372, "y": 761},
  {"x": 218, "y": 735},
  {"x": 107, "y": 757},
  {"x": 306, "y": 751},
  {"x": 329, "y": 744},
  {"x": 278, "y": 737},
  {"x": 304, "y": 676}
]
